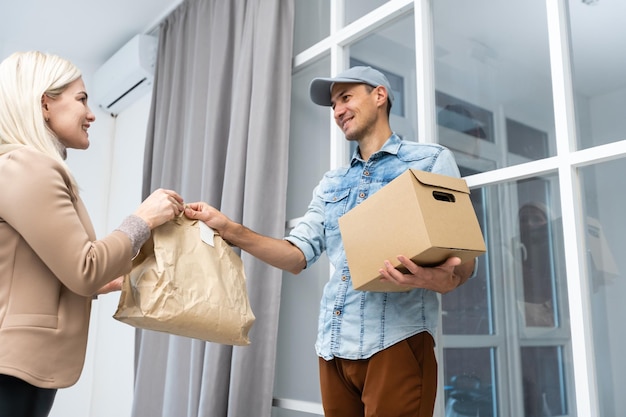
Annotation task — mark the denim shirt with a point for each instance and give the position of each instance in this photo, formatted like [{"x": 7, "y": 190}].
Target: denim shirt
[{"x": 357, "y": 324}]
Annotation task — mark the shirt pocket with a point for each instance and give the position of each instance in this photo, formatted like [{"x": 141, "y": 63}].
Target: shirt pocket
[{"x": 335, "y": 203}]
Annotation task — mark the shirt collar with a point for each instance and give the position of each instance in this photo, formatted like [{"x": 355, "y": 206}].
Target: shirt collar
[{"x": 391, "y": 146}]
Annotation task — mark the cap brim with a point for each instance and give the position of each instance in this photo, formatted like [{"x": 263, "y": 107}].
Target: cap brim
[{"x": 320, "y": 89}]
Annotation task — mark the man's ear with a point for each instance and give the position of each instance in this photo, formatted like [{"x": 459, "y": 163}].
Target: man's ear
[{"x": 381, "y": 95}]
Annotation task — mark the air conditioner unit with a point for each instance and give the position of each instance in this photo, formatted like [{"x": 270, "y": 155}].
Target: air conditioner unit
[{"x": 127, "y": 75}]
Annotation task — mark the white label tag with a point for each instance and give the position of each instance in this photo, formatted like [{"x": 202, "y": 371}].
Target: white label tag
[{"x": 206, "y": 234}]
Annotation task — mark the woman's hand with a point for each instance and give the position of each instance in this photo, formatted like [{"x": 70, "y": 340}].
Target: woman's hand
[
  {"x": 160, "y": 206},
  {"x": 115, "y": 285}
]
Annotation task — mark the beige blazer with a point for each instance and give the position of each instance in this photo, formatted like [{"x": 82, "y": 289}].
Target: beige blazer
[{"x": 50, "y": 266}]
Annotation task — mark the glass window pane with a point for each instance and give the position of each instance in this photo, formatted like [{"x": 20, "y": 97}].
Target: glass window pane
[
  {"x": 543, "y": 381},
  {"x": 538, "y": 251},
  {"x": 309, "y": 139},
  {"x": 532, "y": 256},
  {"x": 356, "y": 9},
  {"x": 518, "y": 301},
  {"x": 468, "y": 309},
  {"x": 469, "y": 382},
  {"x": 311, "y": 23},
  {"x": 493, "y": 81},
  {"x": 297, "y": 374},
  {"x": 605, "y": 241},
  {"x": 309, "y": 158},
  {"x": 598, "y": 65},
  {"x": 391, "y": 50}
]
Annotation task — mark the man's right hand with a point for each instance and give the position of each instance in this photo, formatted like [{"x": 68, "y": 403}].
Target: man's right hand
[
  {"x": 276, "y": 252},
  {"x": 213, "y": 218}
]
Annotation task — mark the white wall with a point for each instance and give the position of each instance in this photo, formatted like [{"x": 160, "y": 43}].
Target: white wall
[{"x": 109, "y": 174}]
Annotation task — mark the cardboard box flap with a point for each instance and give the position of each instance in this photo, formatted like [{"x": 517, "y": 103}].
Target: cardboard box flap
[{"x": 441, "y": 181}]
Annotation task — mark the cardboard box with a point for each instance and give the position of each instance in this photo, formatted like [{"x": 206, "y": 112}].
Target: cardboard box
[{"x": 424, "y": 216}]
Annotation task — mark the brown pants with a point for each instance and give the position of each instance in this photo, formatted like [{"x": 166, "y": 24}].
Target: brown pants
[{"x": 400, "y": 381}]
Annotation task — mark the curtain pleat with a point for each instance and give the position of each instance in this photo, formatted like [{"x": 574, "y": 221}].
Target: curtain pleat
[{"x": 218, "y": 132}]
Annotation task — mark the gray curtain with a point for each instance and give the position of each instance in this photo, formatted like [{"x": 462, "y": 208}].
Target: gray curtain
[{"x": 218, "y": 132}]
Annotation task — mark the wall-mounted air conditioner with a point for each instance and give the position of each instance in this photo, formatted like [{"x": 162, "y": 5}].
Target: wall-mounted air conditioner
[{"x": 127, "y": 75}]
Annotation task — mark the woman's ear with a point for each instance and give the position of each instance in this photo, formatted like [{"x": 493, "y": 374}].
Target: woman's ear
[{"x": 44, "y": 107}]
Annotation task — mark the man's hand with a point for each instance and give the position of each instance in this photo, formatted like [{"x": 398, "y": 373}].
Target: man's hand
[
  {"x": 276, "y": 252},
  {"x": 442, "y": 278},
  {"x": 213, "y": 218}
]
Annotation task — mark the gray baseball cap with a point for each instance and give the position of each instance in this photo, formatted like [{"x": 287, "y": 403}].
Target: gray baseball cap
[{"x": 320, "y": 87}]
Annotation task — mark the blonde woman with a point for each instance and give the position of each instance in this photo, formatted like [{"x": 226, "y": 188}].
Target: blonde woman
[{"x": 51, "y": 264}]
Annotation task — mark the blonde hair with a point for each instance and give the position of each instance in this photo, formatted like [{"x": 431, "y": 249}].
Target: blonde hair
[{"x": 24, "y": 78}]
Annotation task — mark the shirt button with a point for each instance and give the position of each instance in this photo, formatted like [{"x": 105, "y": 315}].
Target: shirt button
[
  {"x": 343, "y": 278},
  {"x": 362, "y": 195},
  {"x": 366, "y": 173},
  {"x": 337, "y": 312}
]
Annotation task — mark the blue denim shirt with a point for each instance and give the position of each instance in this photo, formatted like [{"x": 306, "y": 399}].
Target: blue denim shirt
[{"x": 357, "y": 324}]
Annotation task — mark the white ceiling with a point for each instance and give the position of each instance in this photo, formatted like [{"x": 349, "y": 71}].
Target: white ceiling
[{"x": 87, "y": 32}]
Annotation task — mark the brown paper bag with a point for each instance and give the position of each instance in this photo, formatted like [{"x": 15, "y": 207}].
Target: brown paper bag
[{"x": 181, "y": 285}]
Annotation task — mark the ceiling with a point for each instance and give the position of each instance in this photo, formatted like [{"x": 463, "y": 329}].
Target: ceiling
[{"x": 87, "y": 32}]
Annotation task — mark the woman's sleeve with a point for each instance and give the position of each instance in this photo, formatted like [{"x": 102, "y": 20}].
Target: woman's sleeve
[{"x": 40, "y": 206}]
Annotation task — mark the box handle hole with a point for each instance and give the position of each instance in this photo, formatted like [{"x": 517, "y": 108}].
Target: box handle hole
[{"x": 441, "y": 196}]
